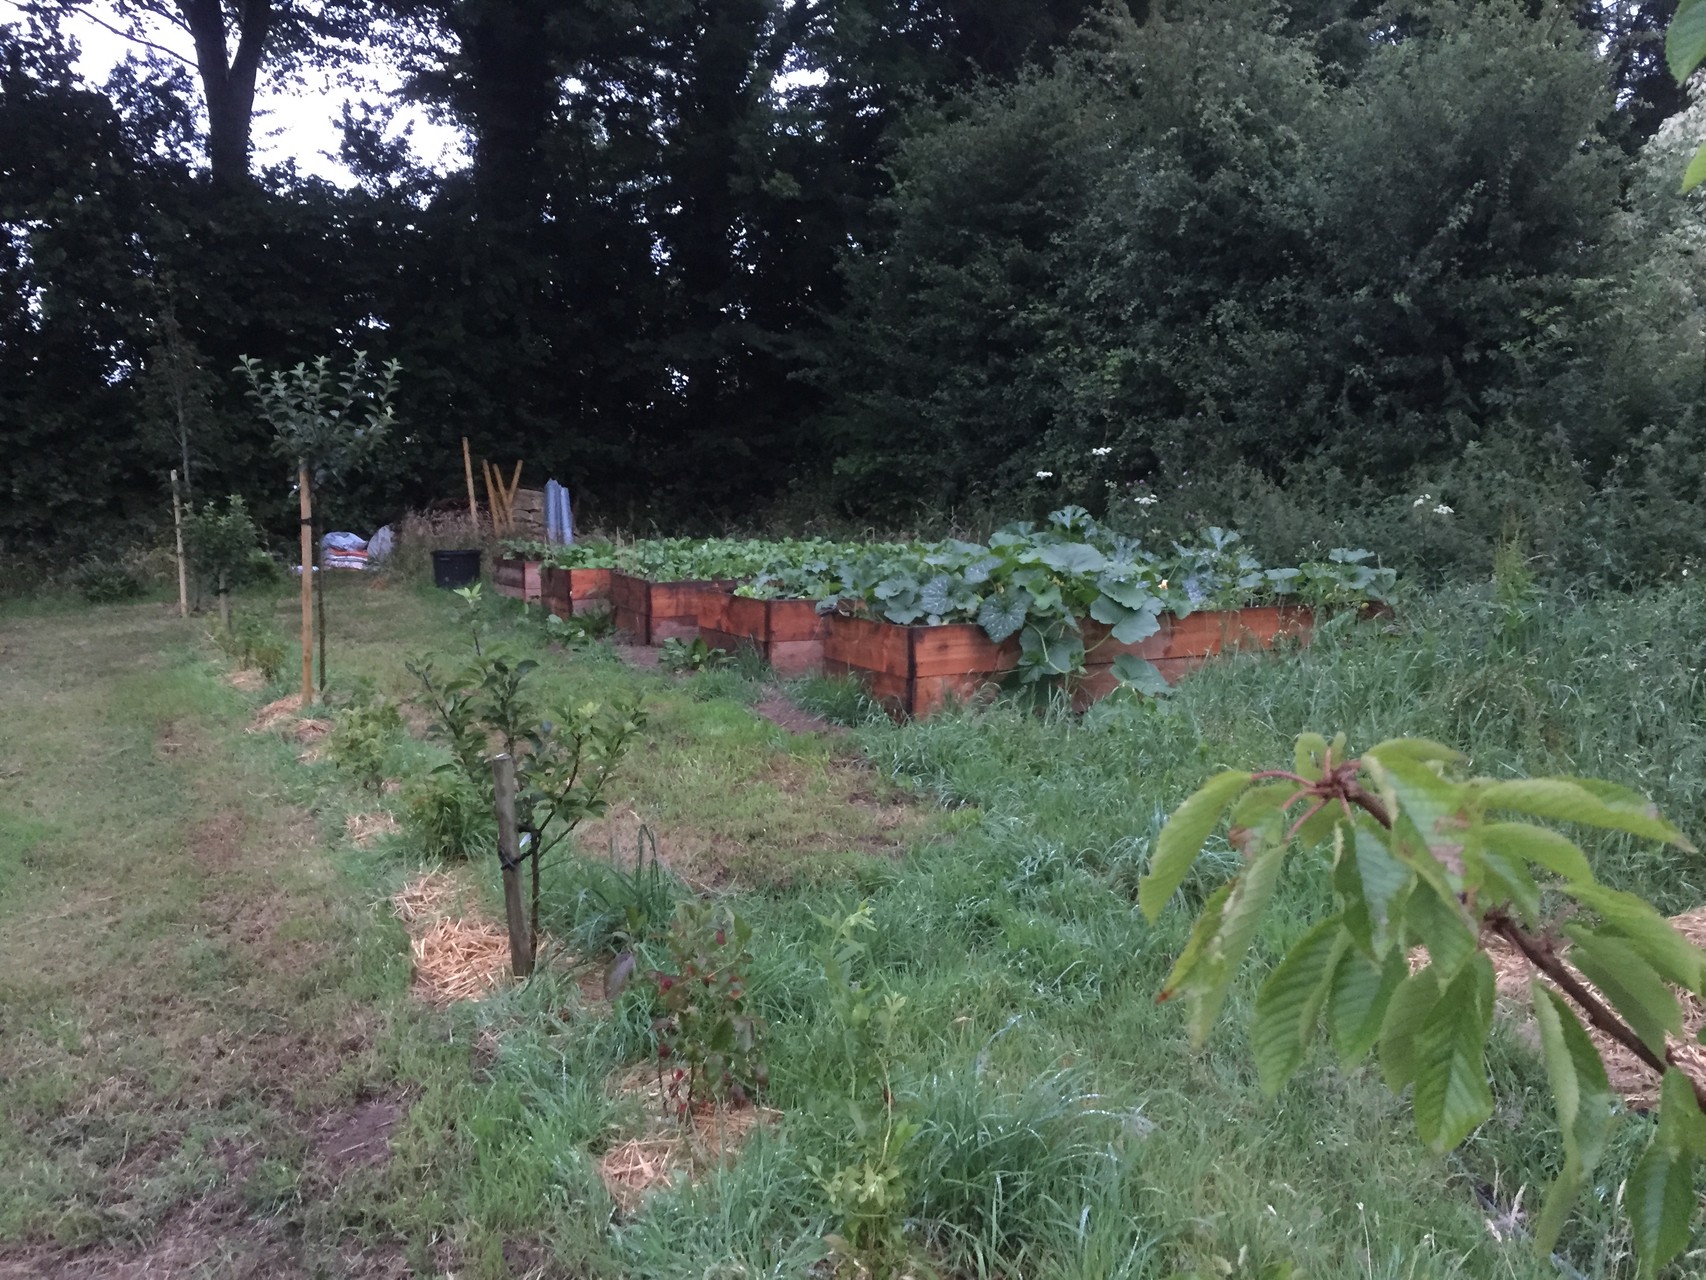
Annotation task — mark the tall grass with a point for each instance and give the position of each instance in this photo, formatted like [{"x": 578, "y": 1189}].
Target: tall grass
[{"x": 1067, "y": 1129}]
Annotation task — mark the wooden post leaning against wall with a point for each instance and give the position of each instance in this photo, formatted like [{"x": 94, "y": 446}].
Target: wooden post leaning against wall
[
  {"x": 509, "y": 859},
  {"x": 178, "y": 529},
  {"x": 306, "y": 502}
]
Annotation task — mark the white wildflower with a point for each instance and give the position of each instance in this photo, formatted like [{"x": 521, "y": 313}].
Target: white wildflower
[
  {"x": 1147, "y": 500},
  {"x": 1443, "y": 510},
  {"x": 1045, "y": 475},
  {"x": 1423, "y": 500},
  {"x": 1102, "y": 452}
]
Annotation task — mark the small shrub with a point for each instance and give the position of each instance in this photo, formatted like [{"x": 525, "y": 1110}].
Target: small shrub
[
  {"x": 870, "y": 1191},
  {"x": 628, "y": 908},
  {"x": 447, "y": 816},
  {"x": 681, "y": 657},
  {"x": 251, "y": 642},
  {"x": 581, "y": 628},
  {"x": 104, "y": 580},
  {"x": 838, "y": 699},
  {"x": 362, "y": 737},
  {"x": 710, "y": 1049},
  {"x": 224, "y": 548}
]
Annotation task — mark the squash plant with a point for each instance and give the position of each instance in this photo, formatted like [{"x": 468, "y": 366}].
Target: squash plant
[{"x": 1428, "y": 866}]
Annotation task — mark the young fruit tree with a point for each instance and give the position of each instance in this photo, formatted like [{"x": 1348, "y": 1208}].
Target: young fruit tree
[
  {"x": 328, "y": 421},
  {"x": 222, "y": 548},
  {"x": 1428, "y": 869}
]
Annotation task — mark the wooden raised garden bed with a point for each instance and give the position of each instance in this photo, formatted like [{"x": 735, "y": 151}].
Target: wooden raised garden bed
[
  {"x": 652, "y": 612},
  {"x": 571, "y": 591},
  {"x": 1184, "y": 644},
  {"x": 788, "y": 633},
  {"x": 916, "y": 670},
  {"x": 1193, "y": 640},
  {"x": 517, "y": 578}
]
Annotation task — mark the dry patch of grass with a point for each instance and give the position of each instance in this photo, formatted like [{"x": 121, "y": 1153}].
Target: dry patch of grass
[
  {"x": 458, "y": 954},
  {"x": 246, "y": 680},
  {"x": 1629, "y": 1077},
  {"x": 668, "y": 1149},
  {"x": 364, "y": 829},
  {"x": 282, "y": 715}
]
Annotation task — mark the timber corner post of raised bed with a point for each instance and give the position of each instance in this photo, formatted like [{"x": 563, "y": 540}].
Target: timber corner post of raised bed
[
  {"x": 652, "y": 612},
  {"x": 787, "y": 634},
  {"x": 566, "y": 592},
  {"x": 916, "y": 671}
]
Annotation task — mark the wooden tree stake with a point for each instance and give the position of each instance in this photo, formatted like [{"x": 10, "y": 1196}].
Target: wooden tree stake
[
  {"x": 509, "y": 497},
  {"x": 509, "y": 858},
  {"x": 473, "y": 502},
  {"x": 320, "y": 604},
  {"x": 493, "y": 505},
  {"x": 178, "y": 529},
  {"x": 307, "y": 507}
]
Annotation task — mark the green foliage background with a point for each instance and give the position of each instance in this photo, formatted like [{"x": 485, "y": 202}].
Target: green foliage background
[{"x": 1285, "y": 267}]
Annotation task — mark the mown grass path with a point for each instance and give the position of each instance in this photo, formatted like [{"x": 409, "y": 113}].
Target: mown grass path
[{"x": 189, "y": 998}]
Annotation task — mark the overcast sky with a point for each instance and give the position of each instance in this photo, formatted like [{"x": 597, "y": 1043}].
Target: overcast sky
[{"x": 292, "y": 122}]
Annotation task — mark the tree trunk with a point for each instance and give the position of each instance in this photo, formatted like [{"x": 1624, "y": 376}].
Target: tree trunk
[
  {"x": 178, "y": 532},
  {"x": 224, "y": 603},
  {"x": 228, "y": 80},
  {"x": 307, "y": 508}
]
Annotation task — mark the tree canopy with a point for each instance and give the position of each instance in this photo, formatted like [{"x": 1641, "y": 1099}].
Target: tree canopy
[{"x": 857, "y": 256}]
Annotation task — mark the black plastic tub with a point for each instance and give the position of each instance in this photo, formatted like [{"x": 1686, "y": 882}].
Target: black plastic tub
[{"x": 451, "y": 569}]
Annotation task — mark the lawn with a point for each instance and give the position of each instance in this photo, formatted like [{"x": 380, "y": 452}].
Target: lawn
[{"x": 214, "y": 1063}]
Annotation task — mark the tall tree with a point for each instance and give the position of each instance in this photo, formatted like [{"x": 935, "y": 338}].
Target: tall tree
[{"x": 231, "y": 41}]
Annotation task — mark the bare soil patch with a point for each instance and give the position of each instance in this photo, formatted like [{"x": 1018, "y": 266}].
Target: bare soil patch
[
  {"x": 644, "y": 657},
  {"x": 779, "y": 709},
  {"x": 216, "y": 843},
  {"x": 282, "y": 715},
  {"x": 212, "y": 1237},
  {"x": 357, "y": 1137}
]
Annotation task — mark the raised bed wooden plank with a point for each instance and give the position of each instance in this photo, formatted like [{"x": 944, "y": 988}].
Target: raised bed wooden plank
[
  {"x": 1100, "y": 647},
  {"x": 508, "y": 577},
  {"x": 652, "y": 612},
  {"x": 554, "y": 591},
  {"x": 589, "y": 589},
  {"x": 788, "y": 634},
  {"x": 958, "y": 650},
  {"x": 1209, "y": 632},
  {"x": 630, "y": 605},
  {"x": 795, "y": 657},
  {"x": 794, "y": 621},
  {"x": 860, "y": 644},
  {"x": 748, "y": 619}
]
